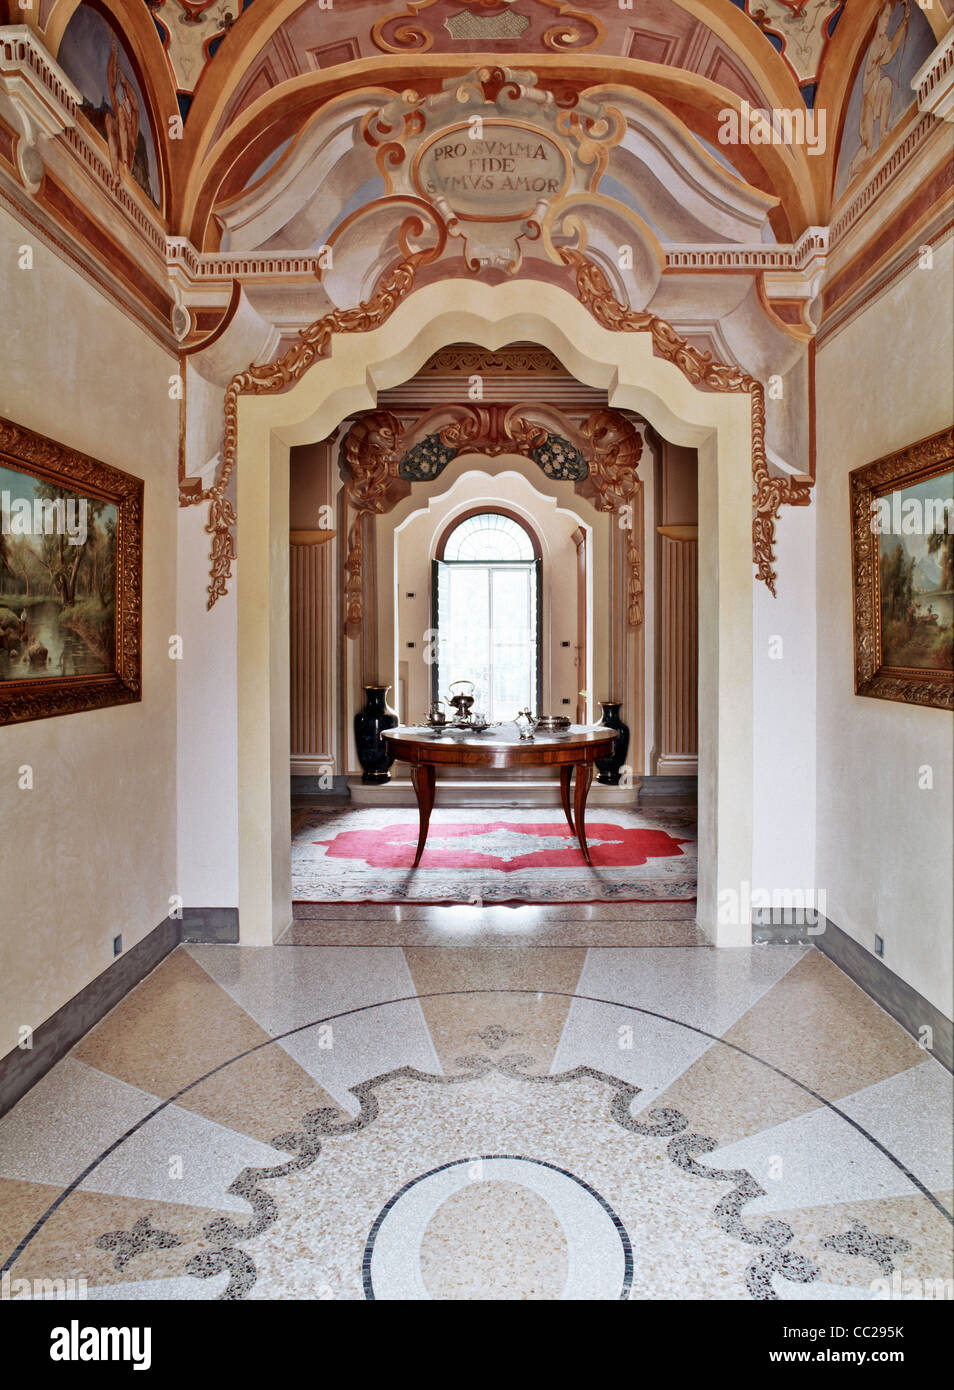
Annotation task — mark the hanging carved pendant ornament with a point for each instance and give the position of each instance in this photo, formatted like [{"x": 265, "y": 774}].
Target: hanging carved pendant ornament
[
  {"x": 373, "y": 487},
  {"x": 613, "y": 484},
  {"x": 769, "y": 493}
]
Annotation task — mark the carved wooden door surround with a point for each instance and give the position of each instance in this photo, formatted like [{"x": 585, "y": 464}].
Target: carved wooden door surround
[{"x": 384, "y": 456}]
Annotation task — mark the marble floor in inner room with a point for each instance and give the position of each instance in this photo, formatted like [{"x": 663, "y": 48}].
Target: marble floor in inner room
[{"x": 445, "y": 1103}]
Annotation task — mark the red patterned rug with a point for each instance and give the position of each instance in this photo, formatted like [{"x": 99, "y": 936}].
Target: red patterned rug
[{"x": 507, "y": 856}]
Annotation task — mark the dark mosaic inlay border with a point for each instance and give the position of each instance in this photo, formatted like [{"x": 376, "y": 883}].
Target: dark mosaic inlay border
[
  {"x": 772, "y": 1236},
  {"x": 305, "y": 1144}
]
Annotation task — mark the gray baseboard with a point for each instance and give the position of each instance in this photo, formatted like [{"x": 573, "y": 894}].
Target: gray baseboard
[
  {"x": 317, "y": 786},
  {"x": 897, "y": 998},
  {"x": 904, "y": 1004},
  {"x": 22, "y": 1068},
  {"x": 213, "y": 924},
  {"x": 789, "y": 931},
  {"x": 654, "y": 791}
]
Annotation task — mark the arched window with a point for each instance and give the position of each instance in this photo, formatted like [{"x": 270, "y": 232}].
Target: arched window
[
  {"x": 490, "y": 536},
  {"x": 486, "y": 605}
]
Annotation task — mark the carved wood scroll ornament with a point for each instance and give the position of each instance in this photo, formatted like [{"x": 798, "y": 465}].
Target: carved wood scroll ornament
[
  {"x": 769, "y": 493},
  {"x": 607, "y": 444}
]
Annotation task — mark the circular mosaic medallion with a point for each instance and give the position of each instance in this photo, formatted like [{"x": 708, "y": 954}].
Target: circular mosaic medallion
[{"x": 560, "y": 1238}]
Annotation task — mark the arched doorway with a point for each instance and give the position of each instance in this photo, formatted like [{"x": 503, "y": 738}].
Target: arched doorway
[
  {"x": 412, "y": 535},
  {"x": 719, "y": 425}
]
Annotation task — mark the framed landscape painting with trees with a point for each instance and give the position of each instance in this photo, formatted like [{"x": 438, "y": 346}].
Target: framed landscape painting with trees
[
  {"x": 70, "y": 579},
  {"x": 902, "y": 518}
]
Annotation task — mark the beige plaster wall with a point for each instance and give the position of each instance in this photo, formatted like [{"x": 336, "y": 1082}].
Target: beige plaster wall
[
  {"x": 883, "y": 845},
  {"x": 90, "y": 852}
]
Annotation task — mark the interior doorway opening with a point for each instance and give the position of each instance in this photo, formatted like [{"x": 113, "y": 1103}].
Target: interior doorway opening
[
  {"x": 718, "y": 424},
  {"x": 488, "y": 600}
]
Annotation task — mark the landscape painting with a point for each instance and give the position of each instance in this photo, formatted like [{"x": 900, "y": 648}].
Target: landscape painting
[
  {"x": 916, "y": 571},
  {"x": 70, "y": 579},
  {"x": 57, "y": 580},
  {"x": 902, "y": 516}
]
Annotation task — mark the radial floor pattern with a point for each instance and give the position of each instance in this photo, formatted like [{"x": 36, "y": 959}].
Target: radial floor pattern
[{"x": 396, "y": 1103}]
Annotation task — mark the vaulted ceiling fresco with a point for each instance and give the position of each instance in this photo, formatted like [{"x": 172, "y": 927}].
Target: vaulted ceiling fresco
[
  {"x": 250, "y": 177},
  {"x": 245, "y": 76}
]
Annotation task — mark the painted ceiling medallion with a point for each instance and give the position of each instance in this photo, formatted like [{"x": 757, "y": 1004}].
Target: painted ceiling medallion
[
  {"x": 187, "y": 30},
  {"x": 803, "y": 29},
  {"x": 498, "y": 158},
  {"x": 540, "y": 24},
  {"x": 486, "y": 28}
]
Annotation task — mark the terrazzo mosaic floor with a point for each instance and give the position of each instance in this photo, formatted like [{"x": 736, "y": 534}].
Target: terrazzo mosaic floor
[{"x": 485, "y": 1107}]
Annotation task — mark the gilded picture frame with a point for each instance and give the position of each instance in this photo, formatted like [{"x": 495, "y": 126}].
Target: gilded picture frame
[
  {"x": 71, "y": 537},
  {"x": 902, "y": 532}
]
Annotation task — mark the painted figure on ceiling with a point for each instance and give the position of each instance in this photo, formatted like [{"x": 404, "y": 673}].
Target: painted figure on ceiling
[
  {"x": 94, "y": 56},
  {"x": 122, "y": 122},
  {"x": 877, "y": 87}
]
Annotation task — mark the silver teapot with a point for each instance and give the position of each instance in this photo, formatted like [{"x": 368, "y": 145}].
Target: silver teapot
[{"x": 460, "y": 702}]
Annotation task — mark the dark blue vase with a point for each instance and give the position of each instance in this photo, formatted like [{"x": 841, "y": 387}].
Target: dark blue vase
[
  {"x": 369, "y": 724},
  {"x": 609, "y": 768}
]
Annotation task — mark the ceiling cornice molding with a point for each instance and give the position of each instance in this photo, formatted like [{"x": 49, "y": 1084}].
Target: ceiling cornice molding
[
  {"x": 197, "y": 271},
  {"x": 37, "y": 86},
  {"x": 892, "y": 163}
]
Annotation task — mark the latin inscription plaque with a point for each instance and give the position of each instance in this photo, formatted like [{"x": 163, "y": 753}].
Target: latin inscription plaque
[{"x": 502, "y": 173}]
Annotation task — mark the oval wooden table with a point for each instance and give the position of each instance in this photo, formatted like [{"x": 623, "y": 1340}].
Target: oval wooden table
[{"x": 577, "y": 748}]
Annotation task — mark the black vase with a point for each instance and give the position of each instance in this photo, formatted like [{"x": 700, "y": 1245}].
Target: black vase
[
  {"x": 609, "y": 768},
  {"x": 369, "y": 724}
]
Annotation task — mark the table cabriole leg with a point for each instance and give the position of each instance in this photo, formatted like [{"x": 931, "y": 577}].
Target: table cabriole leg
[
  {"x": 566, "y": 774},
  {"x": 423, "y": 777},
  {"x": 581, "y": 786}
]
